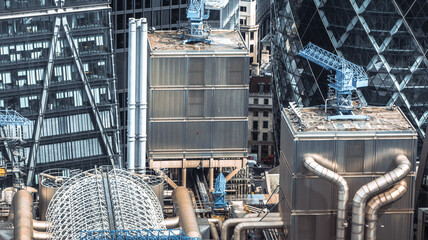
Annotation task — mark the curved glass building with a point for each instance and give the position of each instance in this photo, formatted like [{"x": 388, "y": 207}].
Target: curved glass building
[{"x": 387, "y": 37}]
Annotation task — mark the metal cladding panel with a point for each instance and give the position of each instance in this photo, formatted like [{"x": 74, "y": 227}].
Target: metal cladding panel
[
  {"x": 198, "y": 135},
  {"x": 285, "y": 179},
  {"x": 168, "y": 72},
  {"x": 230, "y": 134},
  {"x": 288, "y": 143},
  {"x": 169, "y": 104},
  {"x": 313, "y": 194},
  {"x": 312, "y": 227},
  {"x": 396, "y": 226},
  {"x": 230, "y": 102},
  {"x": 167, "y": 135}
]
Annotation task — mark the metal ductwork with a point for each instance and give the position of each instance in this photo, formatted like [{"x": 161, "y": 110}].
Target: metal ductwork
[
  {"x": 22, "y": 216},
  {"x": 184, "y": 205},
  {"x": 171, "y": 223},
  {"x": 232, "y": 222},
  {"x": 379, "y": 201},
  {"x": 311, "y": 163},
  {"x": 366, "y": 191},
  {"x": 240, "y": 229},
  {"x": 137, "y": 94}
]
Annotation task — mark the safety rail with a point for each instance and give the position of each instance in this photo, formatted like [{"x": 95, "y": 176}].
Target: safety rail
[{"x": 145, "y": 234}]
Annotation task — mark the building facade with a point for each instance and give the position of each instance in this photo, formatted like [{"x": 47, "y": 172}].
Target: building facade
[
  {"x": 260, "y": 124},
  {"x": 249, "y": 30},
  {"x": 387, "y": 38},
  {"x": 263, "y": 21},
  {"x": 57, "y": 70},
  {"x": 198, "y": 102}
]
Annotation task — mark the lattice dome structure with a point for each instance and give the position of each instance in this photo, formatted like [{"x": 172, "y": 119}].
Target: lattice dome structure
[{"x": 102, "y": 200}]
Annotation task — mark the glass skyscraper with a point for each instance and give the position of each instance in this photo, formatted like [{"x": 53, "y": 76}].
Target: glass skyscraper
[
  {"x": 386, "y": 37},
  {"x": 57, "y": 69}
]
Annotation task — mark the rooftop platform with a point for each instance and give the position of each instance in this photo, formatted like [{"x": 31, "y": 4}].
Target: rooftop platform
[
  {"x": 172, "y": 41},
  {"x": 382, "y": 119}
]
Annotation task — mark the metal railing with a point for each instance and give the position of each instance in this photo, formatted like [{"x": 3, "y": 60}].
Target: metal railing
[{"x": 158, "y": 234}]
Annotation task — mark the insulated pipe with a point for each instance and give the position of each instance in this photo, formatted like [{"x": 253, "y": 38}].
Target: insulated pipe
[
  {"x": 136, "y": 89},
  {"x": 23, "y": 215},
  {"x": 171, "y": 223},
  {"x": 342, "y": 193},
  {"x": 232, "y": 222},
  {"x": 253, "y": 215},
  {"x": 41, "y": 235},
  {"x": 240, "y": 229},
  {"x": 214, "y": 233},
  {"x": 217, "y": 221},
  {"x": 379, "y": 201},
  {"x": 131, "y": 94},
  {"x": 186, "y": 213},
  {"x": 379, "y": 184},
  {"x": 143, "y": 97},
  {"x": 41, "y": 225}
]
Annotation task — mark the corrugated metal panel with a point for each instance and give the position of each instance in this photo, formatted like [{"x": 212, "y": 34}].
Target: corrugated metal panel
[
  {"x": 168, "y": 72},
  {"x": 167, "y": 104},
  {"x": 166, "y": 135},
  {"x": 198, "y": 135},
  {"x": 230, "y": 135},
  {"x": 230, "y": 102}
]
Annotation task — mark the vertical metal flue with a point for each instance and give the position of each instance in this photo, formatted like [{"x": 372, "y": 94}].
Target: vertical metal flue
[{"x": 137, "y": 94}]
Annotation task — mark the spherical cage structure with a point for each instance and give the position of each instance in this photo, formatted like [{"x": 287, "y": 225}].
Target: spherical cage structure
[{"x": 103, "y": 199}]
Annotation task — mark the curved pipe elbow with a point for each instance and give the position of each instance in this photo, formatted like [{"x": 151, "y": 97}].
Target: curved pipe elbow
[
  {"x": 41, "y": 235},
  {"x": 240, "y": 228},
  {"x": 172, "y": 222},
  {"x": 232, "y": 222},
  {"x": 41, "y": 225},
  {"x": 365, "y": 192}
]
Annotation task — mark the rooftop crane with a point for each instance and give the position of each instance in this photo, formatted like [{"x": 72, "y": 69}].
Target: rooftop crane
[
  {"x": 197, "y": 14},
  {"x": 348, "y": 78}
]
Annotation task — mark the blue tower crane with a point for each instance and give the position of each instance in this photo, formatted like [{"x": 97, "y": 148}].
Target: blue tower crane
[
  {"x": 220, "y": 193},
  {"x": 348, "y": 78},
  {"x": 197, "y": 14}
]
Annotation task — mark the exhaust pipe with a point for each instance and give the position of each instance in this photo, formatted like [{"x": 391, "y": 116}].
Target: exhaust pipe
[
  {"x": 379, "y": 184},
  {"x": 185, "y": 211},
  {"x": 240, "y": 229},
  {"x": 379, "y": 201},
  {"x": 21, "y": 214},
  {"x": 342, "y": 194},
  {"x": 232, "y": 222}
]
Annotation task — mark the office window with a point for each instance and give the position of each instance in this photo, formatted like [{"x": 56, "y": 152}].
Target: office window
[
  {"x": 265, "y": 136},
  {"x": 265, "y": 114},
  {"x": 255, "y": 114},
  {"x": 254, "y": 149},
  {"x": 255, "y": 136},
  {"x": 266, "y": 101},
  {"x": 256, "y": 101},
  {"x": 265, "y": 124},
  {"x": 255, "y": 125},
  {"x": 243, "y": 9}
]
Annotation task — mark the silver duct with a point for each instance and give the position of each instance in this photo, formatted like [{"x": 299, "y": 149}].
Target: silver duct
[
  {"x": 379, "y": 201},
  {"x": 232, "y": 222},
  {"x": 240, "y": 233},
  {"x": 184, "y": 206},
  {"x": 342, "y": 194},
  {"x": 132, "y": 55},
  {"x": 264, "y": 214},
  {"x": 137, "y": 94},
  {"x": 379, "y": 184},
  {"x": 171, "y": 223}
]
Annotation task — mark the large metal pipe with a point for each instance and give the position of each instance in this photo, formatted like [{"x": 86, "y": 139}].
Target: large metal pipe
[
  {"x": 310, "y": 162},
  {"x": 21, "y": 213},
  {"x": 379, "y": 201},
  {"x": 256, "y": 215},
  {"x": 239, "y": 233},
  {"x": 131, "y": 93},
  {"x": 142, "y": 119},
  {"x": 214, "y": 233},
  {"x": 23, "y": 216},
  {"x": 232, "y": 222},
  {"x": 379, "y": 184},
  {"x": 217, "y": 221},
  {"x": 184, "y": 205},
  {"x": 171, "y": 223}
]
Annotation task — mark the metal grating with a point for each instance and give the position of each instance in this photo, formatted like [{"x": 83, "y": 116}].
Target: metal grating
[
  {"x": 163, "y": 234},
  {"x": 103, "y": 200}
]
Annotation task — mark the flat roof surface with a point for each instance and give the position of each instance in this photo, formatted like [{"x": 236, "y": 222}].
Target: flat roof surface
[
  {"x": 314, "y": 119},
  {"x": 222, "y": 40}
]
